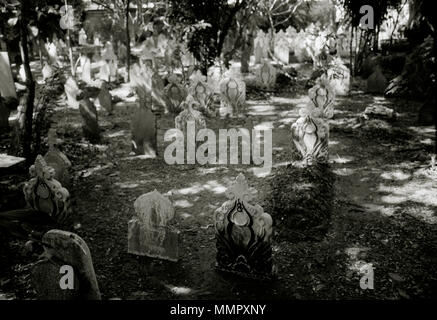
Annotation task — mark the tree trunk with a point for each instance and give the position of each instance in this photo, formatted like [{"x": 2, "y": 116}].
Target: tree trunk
[
  {"x": 127, "y": 41},
  {"x": 30, "y": 83}
]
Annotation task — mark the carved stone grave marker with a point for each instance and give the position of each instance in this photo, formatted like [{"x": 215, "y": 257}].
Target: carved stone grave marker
[
  {"x": 149, "y": 232},
  {"x": 43, "y": 193},
  {"x": 243, "y": 234}
]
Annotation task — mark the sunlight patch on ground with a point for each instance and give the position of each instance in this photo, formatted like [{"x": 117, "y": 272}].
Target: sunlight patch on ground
[
  {"x": 264, "y": 110},
  {"x": 264, "y": 125},
  {"x": 212, "y": 186},
  {"x": 185, "y": 215},
  {"x": 424, "y": 192},
  {"x": 395, "y": 175},
  {"x": 333, "y": 142},
  {"x": 425, "y": 214},
  {"x": 179, "y": 290},
  {"x": 142, "y": 157},
  {"x": 356, "y": 256},
  {"x": 344, "y": 172},
  {"x": 120, "y": 133},
  {"x": 378, "y": 208},
  {"x": 282, "y": 164},
  {"x": 296, "y": 101},
  {"x": 182, "y": 204},
  {"x": 126, "y": 185},
  {"x": 337, "y": 159}
]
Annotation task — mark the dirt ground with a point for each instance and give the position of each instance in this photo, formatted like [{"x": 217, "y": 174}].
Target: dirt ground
[{"x": 384, "y": 211}]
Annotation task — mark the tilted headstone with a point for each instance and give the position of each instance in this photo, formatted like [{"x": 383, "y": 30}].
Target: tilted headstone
[
  {"x": 175, "y": 94},
  {"x": 266, "y": 76},
  {"x": 47, "y": 71},
  {"x": 377, "y": 82},
  {"x": 7, "y": 85},
  {"x": 4, "y": 115},
  {"x": 150, "y": 232},
  {"x": 323, "y": 97},
  {"x": 243, "y": 234},
  {"x": 202, "y": 93},
  {"x": 339, "y": 77},
  {"x": 86, "y": 70},
  {"x": 232, "y": 94},
  {"x": 310, "y": 134},
  {"x": 72, "y": 90},
  {"x": 90, "y": 123},
  {"x": 82, "y": 37},
  {"x": 43, "y": 193},
  {"x": 52, "y": 50},
  {"x": 143, "y": 130},
  {"x": 105, "y": 98},
  {"x": 65, "y": 252},
  {"x": 189, "y": 115},
  {"x": 57, "y": 160}
]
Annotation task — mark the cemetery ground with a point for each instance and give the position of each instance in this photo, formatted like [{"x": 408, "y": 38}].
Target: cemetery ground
[{"x": 384, "y": 208}]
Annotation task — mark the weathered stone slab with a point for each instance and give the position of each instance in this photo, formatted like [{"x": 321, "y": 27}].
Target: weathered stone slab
[
  {"x": 143, "y": 129},
  {"x": 149, "y": 232},
  {"x": 105, "y": 98},
  {"x": 7, "y": 85},
  {"x": 90, "y": 124},
  {"x": 243, "y": 234},
  {"x": 68, "y": 249}
]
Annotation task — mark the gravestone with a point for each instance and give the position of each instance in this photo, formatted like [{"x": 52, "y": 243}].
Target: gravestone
[
  {"x": 90, "y": 124},
  {"x": 260, "y": 46},
  {"x": 175, "y": 94},
  {"x": 105, "y": 98},
  {"x": 111, "y": 59},
  {"x": 202, "y": 93},
  {"x": 143, "y": 129},
  {"x": 189, "y": 115},
  {"x": 57, "y": 160},
  {"x": 213, "y": 79},
  {"x": 71, "y": 90},
  {"x": 377, "y": 82},
  {"x": 243, "y": 234},
  {"x": 105, "y": 72},
  {"x": 232, "y": 94},
  {"x": 339, "y": 77},
  {"x": 63, "y": 248},
  {"x": 45, "y": 194},
  {"x": 52, "y": 50},
  {"x": 4, "y": 115},
  {"x": 7, "y": 85},
  {"x": 266, "y": 76},
  {"x": 281, "y": 49},
  {"x": 47, "y": 71},
  {"x": 86, "y": 70},
  {"x": 291, "y": 34},
  {"x": 22, "y": 74},
  {"x": 82, "y": 37},
  {"x": 150, "y": 232},
  {"x": 323, "y": 97},
  {"x": 310, "y": 134}
]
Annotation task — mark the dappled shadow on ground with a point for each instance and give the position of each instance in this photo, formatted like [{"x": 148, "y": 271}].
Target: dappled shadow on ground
[{"x": 384, "y": 210}]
